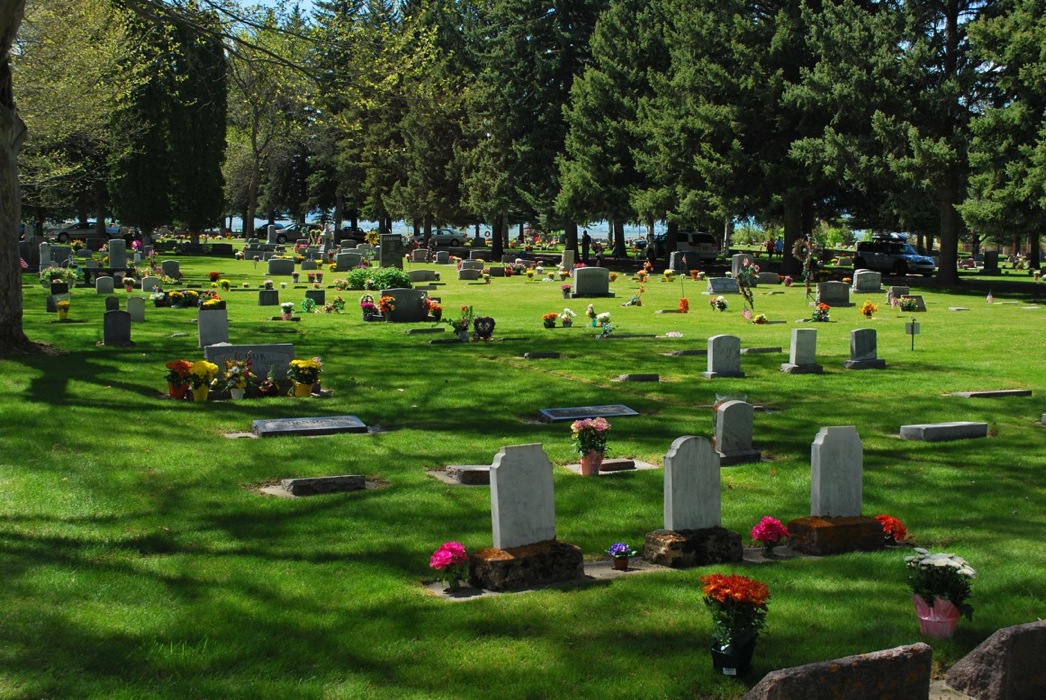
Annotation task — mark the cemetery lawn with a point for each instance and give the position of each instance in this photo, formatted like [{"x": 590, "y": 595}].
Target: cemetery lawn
[{"x": 139, "y": 560}]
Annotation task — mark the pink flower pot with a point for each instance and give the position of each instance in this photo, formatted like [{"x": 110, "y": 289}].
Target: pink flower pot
[
  {"x": 590, "y": 463},
  {"x": 939, "y": 621}
]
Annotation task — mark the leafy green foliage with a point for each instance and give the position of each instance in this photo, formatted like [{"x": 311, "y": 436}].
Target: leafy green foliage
[{"x": 378, "y": 278}]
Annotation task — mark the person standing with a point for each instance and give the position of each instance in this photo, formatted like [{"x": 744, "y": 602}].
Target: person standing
[
  {"x": 586, "y": 241},
  {"x": 771, "y": 246}
]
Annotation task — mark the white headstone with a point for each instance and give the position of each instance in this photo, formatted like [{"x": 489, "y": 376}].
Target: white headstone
[
  {"x": 802, "y": 357},
  {"x": 692, "y": 485},
  {"x": 836, "y": 472},
  {"x": 136, "y": 309},
  {"x": 45, "y": 255},
  {"x": 724, "y": 357},
  {"x": 867, "y": 282},
  {"x": 270, "y": 233},
  {"x": 733, "y": 433},
  {"x": 213, "y": 326},
  {"x": 522, "y": 503},
  {"x": 103, "y": 285},
  {"x": 567, "y": 261},
  {"x": 150, "y": 283}
]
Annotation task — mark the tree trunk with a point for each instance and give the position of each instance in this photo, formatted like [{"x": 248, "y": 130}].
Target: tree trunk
[
  {"x": 951, "y": 227},
  {"x": 1034, "y": 251},
  {"x": 793, "y": 222},
  {"x": 12, "y": 133}
]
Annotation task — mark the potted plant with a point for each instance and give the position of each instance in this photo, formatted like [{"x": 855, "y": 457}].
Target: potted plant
[
  {"x": 769, "y": 533},
  {"x": 718, "y": 303},
  {"x": 387, "y": 304},
  {"x": 549, "y": 320},
  {"x": 287, "y": 310},
  {"x": 461, "y": 325},
  {"x": 200, "y": 377},
  {"x": 128, "y": 284},
  {"x": 238, "y": 377},
  {"x": 868, "y": 308},
  {"x": 567, "y": 317},
  {"x": 590, "y": 441},
  {"x": 894, "y": 530},
  {"x": 62, "y": 306},
  {"x": 821, "y": 313},
  {"x": 738, "y": 607},
  {"x": 940, "y": 586},
  {"x": 178, "y": 372},
  {"x": 452, "y": 563},
  {"x": 620, "y": 552},
  {"x": 368, "y": 307},
  {"x": 304, "y": 373}
]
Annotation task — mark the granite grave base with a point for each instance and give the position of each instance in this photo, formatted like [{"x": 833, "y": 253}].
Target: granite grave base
[
  {"x": 679, "y": 549},
  {"x": 826, "y": 535},
  {"x": 526, "y": 566}
]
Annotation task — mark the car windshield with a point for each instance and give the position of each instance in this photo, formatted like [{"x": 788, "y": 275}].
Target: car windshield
[{"x": 907, "y": 249}]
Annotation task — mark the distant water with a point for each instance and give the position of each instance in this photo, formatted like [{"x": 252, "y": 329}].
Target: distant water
[{"x": 598, "y": 229}]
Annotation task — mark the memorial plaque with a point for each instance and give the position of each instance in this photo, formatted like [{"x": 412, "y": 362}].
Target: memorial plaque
[
  {"x": 320, "y": 425},
  {"x": 576, "y": 412},
  {"x": 315, "y": 486}
]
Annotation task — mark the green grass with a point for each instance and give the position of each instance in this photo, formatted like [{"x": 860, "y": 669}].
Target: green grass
[{"x": 138, "y": 563}]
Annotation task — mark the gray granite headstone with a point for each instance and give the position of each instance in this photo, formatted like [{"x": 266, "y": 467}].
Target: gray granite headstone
[
  {"x": 283, "y": 267},
  {"x": 45, "y": 255},
  {"x": 769, "y": 278},
  {"x": 263, "y": 357},
  {"x": 576, "y": 412},
  {"x": 896, "y": 292},
  {"x": 737, "y": 261},
  {"x": 343, "y": 262},
  {"x": 692, "y": 485},
  {"x": 442, "y": 257},
  {"x": 836, "y": 472},
  {"x": 833, "y": 293},
  {"x": 733, "y": 433},
  {"x": 319, "y": 485},
  {"x": 522, "y": 502},
  {"x": 270, "y": 235},
  {"x": 308, "y": 265},
  {"x": 150, "y": 283},
  {"x": 171, "y": 268},
  {"x": 410, "y": 305},
  {"x": 320, "y": 425},
  {"x": 724, "y": 357},
  {"x": 213, "y": 326},
  {"x": 991, "y": 260},
  {"x": 802, "y": 357},
  {"x": 723, "y": 285},
  {"x": 103, "y": 285},
  {"x": 136, "y": 309},
  {"x": 472, "y": 265},
  {"x": 497, "y": 271},
  {"x": 863, "y": 350},
  {"x": 318, "y": 296},
  {"x": 469, "y": 275},
  {"x": 116, "y": 328},
  {"x": 420, "y": 255},
  {"x": 941, "y": 432},
  {"x": 867, "y": 282},
  {"x": 117, "y": 253},
  {"x": 268, "y": 297},
  {"x": 592, "y": 282},
  {"x": 676, "y": 262},
  {"x": 391, "y": 251},
  {"x": 422, "y": 275}
]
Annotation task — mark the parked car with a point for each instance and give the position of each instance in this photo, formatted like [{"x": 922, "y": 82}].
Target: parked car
[
  {"x": 699, "y": 246},
  {"x": 892, "y": 253},
  {"x": 83, "y": 231},
  {"x": 350, "y": 233},
  {"x": 447, "y": 237}
]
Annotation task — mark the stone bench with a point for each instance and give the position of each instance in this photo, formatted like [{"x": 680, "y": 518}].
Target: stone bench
[{"x": 941, "y": 432}]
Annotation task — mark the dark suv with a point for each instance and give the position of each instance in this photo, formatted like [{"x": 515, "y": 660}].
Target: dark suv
[
  {"x": 892, "y": 253},
  {"x": 699, "y": 246}
]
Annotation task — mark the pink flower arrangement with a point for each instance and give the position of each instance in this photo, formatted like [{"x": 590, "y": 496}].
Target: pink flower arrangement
[
  {"x": 769, "y": 532},
  {"x": 452, "y": 562}
]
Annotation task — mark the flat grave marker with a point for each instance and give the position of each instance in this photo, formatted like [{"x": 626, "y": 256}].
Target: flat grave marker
[
  {"x": 319, "y": 425},
  {"x": 576, "y": 412}
]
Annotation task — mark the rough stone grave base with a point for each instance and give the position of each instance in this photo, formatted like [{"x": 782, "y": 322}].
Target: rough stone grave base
[
  {"x": 1006, "y": 665},
  {"x": 821, "y": 536},
  {"x": 314, "y": 486},
  {"x": 761, "y": 351},
  {"x": 526, "y": 566},
  {"x": 713, "y": 375},
  {"x": 469, "y": 474},
  {"x": 811, "y": 368},
  {"x": 679, "y": 549},
  {"x": 638, "y": 378},
  {"x": 541, "y": 356},
  {"x": 902, "y": 673},
  {"x": 614, "y": 466},
  {"x": 865, "y": 364}
]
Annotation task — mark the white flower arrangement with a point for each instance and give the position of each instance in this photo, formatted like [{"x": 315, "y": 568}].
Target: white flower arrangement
[
  {"x": 568, "y": 313},
  {"x": 603, "y": 317}
]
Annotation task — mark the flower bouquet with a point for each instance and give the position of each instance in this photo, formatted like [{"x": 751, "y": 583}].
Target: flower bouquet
[
  {"x": 868, "y": 308},
  {"x": 549, "y": 320},
  {"x": 54, "y": 273},
  {"x": 718, "y": 303},
  {"x": 908, "y": 304},
  {"x": 387, "y": 304},
  {"x": 567, "y": 317},
  {"x": 590, "y": 312},
  {"x": 821, "y": 313},
  {"x": 287, "y": 310},
  {"x": 769, "y": 533},
  {"x": 452, "y": 563},
  {"x": 894, "y": 530},
  {"x": 738, "y": 607},
  {"x": 940, "y": 585},
  {"x": 201, "y": 376},
  {"x": 684, "y": 305},
  {"x": 434, "y": 309},
  {"x": 178, "y": 372},
  {"x": 590, "y": 435},
  {"x": 238, "y": 377},
  {"x": 462, "y": 324}
]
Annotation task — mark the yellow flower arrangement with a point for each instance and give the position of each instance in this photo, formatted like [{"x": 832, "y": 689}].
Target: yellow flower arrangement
[
  {"x": 304, "y": 371},
  {"x": 868, "y": 308},
  {"x": 202, "y": 373}
]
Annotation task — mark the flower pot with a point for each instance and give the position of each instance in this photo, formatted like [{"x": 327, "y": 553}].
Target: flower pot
[
  {"x": 63, "y": 314},
  {"x": 236, "y": 394},
  {"x": 733, "y": 659},
  {"x": 549, "y": 324},
  {"x": 286, "y": 317},
  {"x": 302, "y": 390},
  {"x": 177, "y": 391},
  {"x": 620, "y": 563},
  {"x": 939, "y": 621},
  {"x": 594, "y": 324},
  {"x": 200, "y": 393},
  {"x": 590, "y": 463},
  {"x": 567, "y": 323},
  {"x": 463, "y": 336},
  {"x": 566, "y": 294}
]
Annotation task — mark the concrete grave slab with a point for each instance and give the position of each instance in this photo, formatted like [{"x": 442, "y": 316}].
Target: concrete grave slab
[
  {"x": 761, "y": 351},
  {"x": 616, "y": 466},
  {"x": 554, "y": 415},
  {"x": 941, "y": 432},
  {"x": 320, "y": 425},
  {"x": 314, "y": 486},
  {"x": 541, "y": 355},
  {"x": 992, "y": 393},
  {"x": 638, "y": 378}
]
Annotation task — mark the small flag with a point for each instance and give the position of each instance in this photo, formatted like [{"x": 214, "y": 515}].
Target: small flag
[
  {"x": 684, "y": 262},
  {"x": 25, "y": 265},
  {"x": 990, "y": 299},
  {"x": 747, "y": 314}
]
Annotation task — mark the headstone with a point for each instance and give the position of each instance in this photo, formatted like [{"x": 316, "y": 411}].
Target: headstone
[
  {"x": 116, "y": 328},
  {"x": 802, "y": 357},
  {"x": 60, "y": 254},
  {"x": 574, "y": 413},
  {"x": 391, "y": 252},
  {"x": 150, "y": 283},
  {"x": 91, "y": 264},
  {"x": 497, "y": 271},
  {"x": 1006, "y": 666},
  {"x": 724, "y": 357},
  {"x": 268, "y": 297},
  {"x": 318, "y": 296},
  {"x": 319, "y": 485},
  {"x": 343, "y": 262},
  {"x": 867, "y": 282},
  {"x": 991, "y": 261},
  {"x": 896, "y": 292},
  {"x": 421, "y": 255},
  {"x": 136, "y": 309},
  {"x": 45, "y": 255},
  {"x": 592, "y": 282},
  {"x": 117, "y": 253},
  {"x": 270, "y": 235},
  {"x": 737, "y": 261},
  {"x": 103, "y": 285},
  {"x": 845, "y": 261},
  {"x": 675, "y": 262},
  {"x": 172, "y": 269},
  {"x": 478, "y": 255},
  {"x": 281, "y": 266},
  {"x": 863, "y": 350},
  {"x": 723, "y": 285},
  {"x": 567, "y": 260},
  {"x": 733, "y": 433},
  {"x": 920, "y": 305},
  {"x": 410, "y": 305},
  {"x": 470, "y": 275},
  {"x": 275, "y": 357},
  {"x": 992, "y": 393},
  {"x": 833, "y": 293},
  {"x": 941, "y": 432},
  {"x": 472, "y": 265},
  {"x": 213, "y": 327},
  {"x": 522, "y": 504},
  {"x": 308, "y": 265},
  {"x": 769, "y": 278},
  {"x": 836, "y": 472},
  {"x": 442, "y": 257},
  {"x": 902, "y": 673},
  {"x": 322, "y": 425},
  {"x": 112, "y": 304},
  {"x": 692, "y": 483},
  {"x": 223, "y": 250}
]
